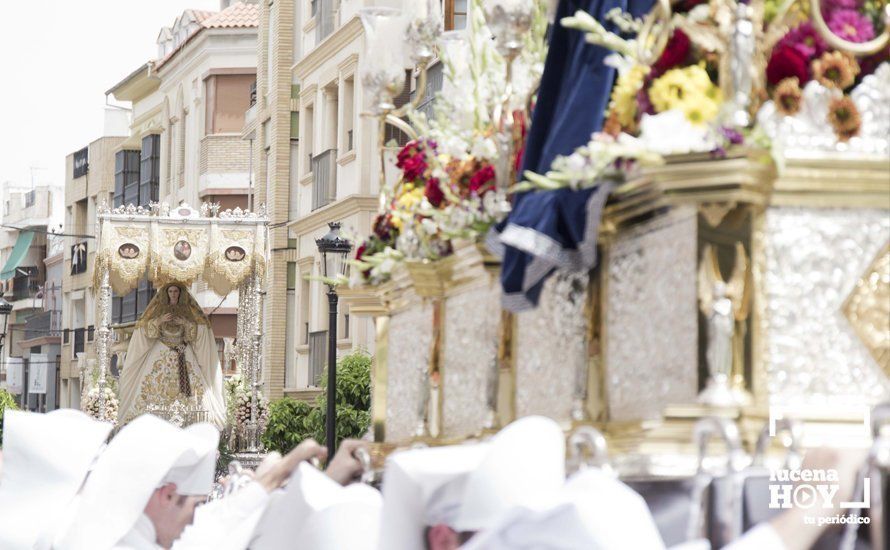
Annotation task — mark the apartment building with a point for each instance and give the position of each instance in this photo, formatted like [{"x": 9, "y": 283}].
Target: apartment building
[
  {"x": 29, "y": 214},
  {"x": 317, "y": 163},
  {"x": 91, "y": 177},
  {"x": 188, "y": 110}
]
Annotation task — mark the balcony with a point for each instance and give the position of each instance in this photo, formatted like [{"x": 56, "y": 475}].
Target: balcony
[
  {"x": 45, "y": 323},
  {"x": 26, "y": 283},
  {"x": 318, "y": 354},
  {"x": 324, "y": 186}
]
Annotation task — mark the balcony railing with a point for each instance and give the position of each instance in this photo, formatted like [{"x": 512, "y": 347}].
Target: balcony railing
[
  {"x": 324, "y": 12},
  {"x": 318, "y": 353},
  {"x": 79, "y": 341},
  {"x": 45, "y": 323},
  {"x": 26, "y": 283},
  {"x": 324, "y": 187}
]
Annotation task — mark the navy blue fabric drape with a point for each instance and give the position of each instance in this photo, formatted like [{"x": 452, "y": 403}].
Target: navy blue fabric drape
[{"x": 557, "y": 229}]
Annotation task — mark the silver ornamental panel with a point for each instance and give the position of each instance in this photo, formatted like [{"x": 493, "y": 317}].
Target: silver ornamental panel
[
  {"x": 813, "y": 259},
  {"x": 410, "y": 342},
  {"x": 652, "y": 317},
  {"x": 470, "y": 355},
  {"x": 551, "y": 348}
]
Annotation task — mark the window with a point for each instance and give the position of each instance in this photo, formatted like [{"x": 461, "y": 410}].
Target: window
[
  {"x": 434, "y": 83},
  {"x": 290, "y": 373},
  {"x": 81, "y": 163},
  {"x": 180, "y": 167},
  {"x": 228, "y": 97},
  {"x": 305, "y": 300},
  {"x": 308, "y": 130},
  {"x": 348, "y": 114},
  {"x": 30, "y": 198},
  {"x": 149, "y": 169},
  {"x": 455, "y": 12},
  {"x": 128, "y": 308},
  {"x": 126, "y": 177},
  {"x": 391, "y": 133}
]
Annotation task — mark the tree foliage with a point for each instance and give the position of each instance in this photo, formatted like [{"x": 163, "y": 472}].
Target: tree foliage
[
  {"x": 7, "y": 401},
  {"x": 291, "y": 421}
]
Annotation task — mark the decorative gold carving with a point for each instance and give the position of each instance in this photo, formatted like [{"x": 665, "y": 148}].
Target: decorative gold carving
[
  {"x": 726, "y": 304},
  {"x": 715, "y": 212},
  {"x": 868, "y": 309}
]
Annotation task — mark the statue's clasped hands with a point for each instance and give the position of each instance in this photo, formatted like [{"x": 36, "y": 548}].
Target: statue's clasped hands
[{"x": 170, "y": 318}]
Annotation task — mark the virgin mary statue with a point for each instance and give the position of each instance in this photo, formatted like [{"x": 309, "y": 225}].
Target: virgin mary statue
[{"x": 172, "y": 362}]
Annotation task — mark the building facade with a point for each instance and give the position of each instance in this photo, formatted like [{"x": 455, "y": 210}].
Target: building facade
[
  {"x": 188, "y": 111},
  {"x": 90, "y": 180},
  {"x": 31, "y": 213},
  {"x": 318, "y": 163}
]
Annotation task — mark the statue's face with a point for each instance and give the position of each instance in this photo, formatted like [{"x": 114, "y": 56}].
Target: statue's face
[{"x": 173, "y": 294}]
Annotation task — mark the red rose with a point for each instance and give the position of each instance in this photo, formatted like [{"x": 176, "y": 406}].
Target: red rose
[
  {"x": 414, "y": 167},
  {"x": 675, "y": 53},
  {"x": 787, "y": 62},
  {"x": 408, "y": 151},
  {"x": 434, "y": 193},
  {"x": 383, "y": 227},
  {"x": 360, "y": 251},
  {"x": 481, "y": 178}
]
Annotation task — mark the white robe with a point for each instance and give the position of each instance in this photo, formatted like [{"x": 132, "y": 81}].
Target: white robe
[
  {"x": 224, "y": 524},
  {"x": 143, "y": 352},
  {"x": 141, "y": 537}
]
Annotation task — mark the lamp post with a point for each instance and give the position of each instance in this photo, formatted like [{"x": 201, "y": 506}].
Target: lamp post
[
  {"x": 334, "y": 249},
  {"x": 5, "y": 310}
]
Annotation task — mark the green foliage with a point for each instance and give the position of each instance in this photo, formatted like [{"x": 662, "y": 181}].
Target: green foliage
[
  {"x": 291, "y": 421},
  {"x": 287, "y": 425},
  {"x": 7, "y": 401}
]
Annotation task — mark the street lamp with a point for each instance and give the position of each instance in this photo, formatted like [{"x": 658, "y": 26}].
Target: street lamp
[
  {"x": 334, "y": 249},
  {"x": 5, "y": 310}
]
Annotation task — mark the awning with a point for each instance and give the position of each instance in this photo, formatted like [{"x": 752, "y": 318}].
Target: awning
[{"x": 22, "y": 244}]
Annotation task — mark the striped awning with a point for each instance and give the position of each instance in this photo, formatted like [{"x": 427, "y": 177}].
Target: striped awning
[{"x": 22, "y": 244}]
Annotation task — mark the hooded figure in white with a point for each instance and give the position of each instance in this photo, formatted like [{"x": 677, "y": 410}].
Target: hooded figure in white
[
  {"x": 46, "y": 459},
  {"x": 143, "y": 489},
  {"x": 172, "y": 360},
  {"x": 320, "y": 514}
]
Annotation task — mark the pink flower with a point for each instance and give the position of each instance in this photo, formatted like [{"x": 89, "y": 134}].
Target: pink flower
[
  {"x": 851, "y": 25},
  {"x": 829, "y": 6},
  {"x": 806, "y": 40}
]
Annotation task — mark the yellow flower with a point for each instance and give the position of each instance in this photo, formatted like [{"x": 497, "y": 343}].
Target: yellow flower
[
  {"x": 688, "y": 89},
  {"x": 623, "y": 103},
  {"x": 396, "y": 222},
  {"x": 410, "y": 199},
  {"x": 699, "y": 110}
]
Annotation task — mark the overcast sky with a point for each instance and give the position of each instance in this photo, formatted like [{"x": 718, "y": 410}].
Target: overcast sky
[{"x": 57, "y": 58}]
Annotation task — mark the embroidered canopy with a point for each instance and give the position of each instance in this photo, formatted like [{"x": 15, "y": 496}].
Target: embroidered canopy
[{"x": 180, "y": 245}]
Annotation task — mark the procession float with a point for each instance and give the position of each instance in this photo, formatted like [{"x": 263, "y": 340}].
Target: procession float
[
  {"x": 707, "y": 270},
  {"x": 702, "y": 283}
]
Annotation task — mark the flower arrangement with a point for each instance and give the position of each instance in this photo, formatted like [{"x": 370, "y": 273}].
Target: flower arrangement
[
  {"x": 241, "y": 410},
  {"x": 90, "y": 404},
  {"x": 693, "y": 73},
  {"x": 238, "y": 404},
  {"x": 446, "y": 187}
]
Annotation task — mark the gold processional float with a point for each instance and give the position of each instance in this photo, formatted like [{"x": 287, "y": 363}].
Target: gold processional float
[
  {"x": 227, "y": 250},
  {"x": 736, "y": 286}
]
